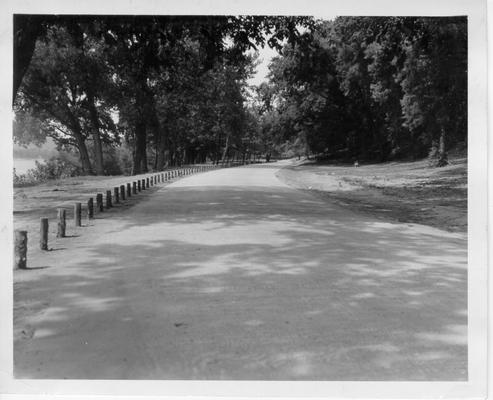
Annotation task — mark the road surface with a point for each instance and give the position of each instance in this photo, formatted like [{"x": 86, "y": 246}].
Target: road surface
[{"x": 231, "y": 274}]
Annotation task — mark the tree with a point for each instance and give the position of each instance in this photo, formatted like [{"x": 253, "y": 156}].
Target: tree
[
  {"x": 374, "y": 87},
  {"x": 434, "y": 82},
  {"x": 85, "y": 70}
]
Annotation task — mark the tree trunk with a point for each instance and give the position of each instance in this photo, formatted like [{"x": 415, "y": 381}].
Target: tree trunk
[
  {"x": 27, "y": 29},
  {"x": 161, "y": 150},
  {"x": 140, "y": 155},
  {"x": 81, "y": 146},
  {"x": 442, "y": 152},
  {"x": 84, "y": 155},
  {"x": 98, "y": 147},
  {"x": 226, "y": 148}
]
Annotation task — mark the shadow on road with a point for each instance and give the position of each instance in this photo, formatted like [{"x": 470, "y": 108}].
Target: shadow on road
[{"x": 279, "y": 290}]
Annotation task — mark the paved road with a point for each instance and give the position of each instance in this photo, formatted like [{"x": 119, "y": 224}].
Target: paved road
[{"x": 231, "y": 274}]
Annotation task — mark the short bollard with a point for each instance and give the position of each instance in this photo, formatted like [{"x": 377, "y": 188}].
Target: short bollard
[
  {"x": 122, "y": 192},
  {"x": 151, "y": 181},
  {"x": 134, "y": 187},
  {"x": 144, "y": 184},
  {"x": 129, "y": 190},
  {"x": 99, "y": 202},
  {"x": 116, "y": 195},
  {"x": 139, "y": 185},
  {"x": 90, "y": 208},
  {"x": 147, "y": 183},
  {"x": 109, "y": 204},
  {"x": 62, "y": 224},
  {"x": 20, "y": 249},
  {"x": 43, "y": 234},
  {"x": 77, "y": 214}
]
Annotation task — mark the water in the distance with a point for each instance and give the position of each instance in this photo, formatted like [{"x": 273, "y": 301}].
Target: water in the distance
[{"x": 22, "y": 165}]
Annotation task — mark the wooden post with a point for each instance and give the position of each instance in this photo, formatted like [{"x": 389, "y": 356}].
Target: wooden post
[
  {"x": 116, "y": 195},
  {"x": 134, "y": 187},
  {"x": 90, "y": 208},
  {"x": 62, "y": 224},
  {"x": 20, "y": 249},
  {"x": 143, "y": 184},
  {"x": 147, "y": 183},
  {"x": 43, "y": 234},
  {"x": 99, "y": 202},
  {"x": 139, "y": 185},
  {"x": 122, "y": 192},
  {"x": 129, "y": 190},
  {"x": 77, "y": 213},
  {"x": 163, "y": 177},
  {"x": 108, "y": 199}
]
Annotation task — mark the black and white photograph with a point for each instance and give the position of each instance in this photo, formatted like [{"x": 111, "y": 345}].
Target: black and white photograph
[{"x": 224, "y": 197}]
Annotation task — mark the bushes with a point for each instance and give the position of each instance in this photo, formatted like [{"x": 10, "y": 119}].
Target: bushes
[
  {"x": 58, "y": 167},
  {"x": 117, "y": 161}
]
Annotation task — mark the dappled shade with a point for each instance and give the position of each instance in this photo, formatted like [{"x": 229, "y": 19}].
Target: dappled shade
[{"x": 234, "y": 282}]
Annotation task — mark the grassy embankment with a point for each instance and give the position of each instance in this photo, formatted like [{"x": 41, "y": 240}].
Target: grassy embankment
[{"x": 400, "y": 191}]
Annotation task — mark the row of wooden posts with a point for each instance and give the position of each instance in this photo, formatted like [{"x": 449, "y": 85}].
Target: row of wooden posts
[{"x": 119, "y": 193}]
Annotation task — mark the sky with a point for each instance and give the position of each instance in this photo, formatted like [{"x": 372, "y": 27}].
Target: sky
[{"x": 265, "y": 56}]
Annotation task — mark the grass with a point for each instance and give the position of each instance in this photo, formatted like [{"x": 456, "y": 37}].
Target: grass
[{"x": 402, "y": 191}]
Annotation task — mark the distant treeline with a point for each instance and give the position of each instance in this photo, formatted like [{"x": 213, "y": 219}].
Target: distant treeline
[{"x": 372, "y": 88}]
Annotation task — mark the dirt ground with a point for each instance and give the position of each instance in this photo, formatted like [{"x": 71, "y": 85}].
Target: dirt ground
[{"x": 400, "y": 191}]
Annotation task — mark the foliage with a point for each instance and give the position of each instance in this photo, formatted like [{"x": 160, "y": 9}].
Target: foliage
[
  {"x": 62, "y": 166},
  {"x": 177, "y": 84},
  {"x": 133, "y": 93},
  {"x": 373, "y": 88}
]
